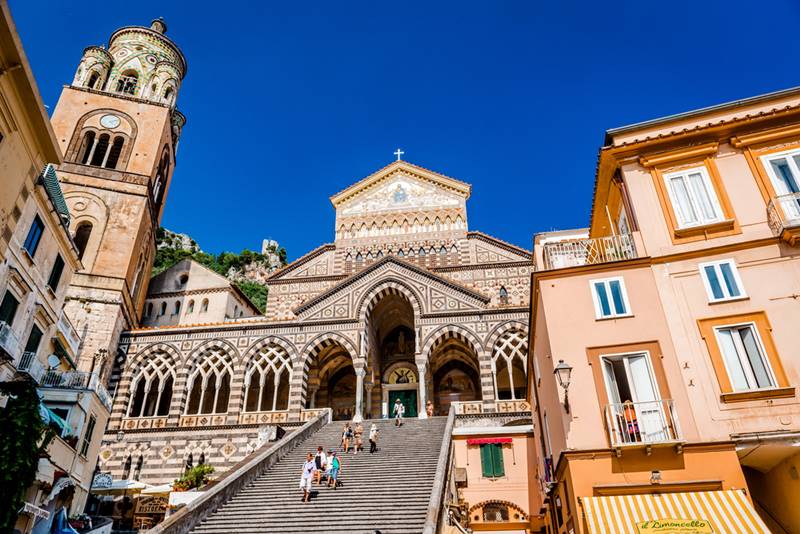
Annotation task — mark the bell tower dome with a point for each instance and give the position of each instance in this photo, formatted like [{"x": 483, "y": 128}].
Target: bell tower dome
[{"x": 118, "y": 126}]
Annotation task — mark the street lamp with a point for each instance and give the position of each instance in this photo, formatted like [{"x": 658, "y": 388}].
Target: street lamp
[{"x": 563, "y": 372}]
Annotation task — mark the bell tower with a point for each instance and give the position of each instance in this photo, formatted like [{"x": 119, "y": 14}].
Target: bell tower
[{"x": 118, "y": 127}]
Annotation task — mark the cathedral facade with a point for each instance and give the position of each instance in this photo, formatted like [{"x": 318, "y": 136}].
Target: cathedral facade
[{"x": 406, "y": 304}]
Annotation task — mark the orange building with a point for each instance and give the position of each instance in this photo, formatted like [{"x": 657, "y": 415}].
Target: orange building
[{"x": 663, "y": 337}]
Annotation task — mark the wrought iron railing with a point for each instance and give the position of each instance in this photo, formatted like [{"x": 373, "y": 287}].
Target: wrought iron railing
[
  {"x": 77, "y": 380},
  {"x": 572, "y": 253},
  {"x": 784, "y": 212},
  {"x": 30, "y": 365},
  {"x": 642, "y": 423},
  {"x": 8, "y": 341}
]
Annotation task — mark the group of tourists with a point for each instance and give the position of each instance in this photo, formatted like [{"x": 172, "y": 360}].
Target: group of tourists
[
  {"x": 318, "y": 466},
  {"x": 329, "y": 466}
]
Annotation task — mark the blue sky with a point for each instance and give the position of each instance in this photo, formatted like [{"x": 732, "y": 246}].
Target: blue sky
[{"x": 290, "y": 102}]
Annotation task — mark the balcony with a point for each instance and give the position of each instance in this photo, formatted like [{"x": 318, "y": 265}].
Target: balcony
[
  {"x": 9, "y": 344},
  {"x": 577, "y": 252},
  {"x": 31, "y": 366},
  {"x": 77, "y": 380},
  {"x": 643, "y": 423},
  {"x": 783, "y": 216},
  {"x": 68, "y": 333}
]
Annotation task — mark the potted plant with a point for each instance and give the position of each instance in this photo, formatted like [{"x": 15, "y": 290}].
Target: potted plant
[
  {"x": 71, "y": 440},
  {"x": 194, "y": 478}
]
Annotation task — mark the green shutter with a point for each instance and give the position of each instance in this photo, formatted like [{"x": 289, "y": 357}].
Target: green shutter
[
  {"x": 497, "y": 459},
  {"x": 487, "y": 466}
]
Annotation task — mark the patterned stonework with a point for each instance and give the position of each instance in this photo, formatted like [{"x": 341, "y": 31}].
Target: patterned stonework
[{"x": 462, "y": 304}]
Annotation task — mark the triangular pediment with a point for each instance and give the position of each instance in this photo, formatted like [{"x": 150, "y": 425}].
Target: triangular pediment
[
  {"x": 400, "y": 186},
  {"x": 432, "y": 294}
]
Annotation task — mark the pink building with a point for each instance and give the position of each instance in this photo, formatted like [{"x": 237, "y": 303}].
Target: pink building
[{"x": 673, "y": 322}]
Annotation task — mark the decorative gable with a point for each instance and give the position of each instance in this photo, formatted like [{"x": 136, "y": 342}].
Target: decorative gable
[{"x": 431, "y": 294}]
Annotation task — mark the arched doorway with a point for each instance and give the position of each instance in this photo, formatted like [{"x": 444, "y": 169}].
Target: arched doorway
[
  {"x": 332, "y": 380},
  {"x": 391, "y": 368},
  {"x": 456, "y": 374}
]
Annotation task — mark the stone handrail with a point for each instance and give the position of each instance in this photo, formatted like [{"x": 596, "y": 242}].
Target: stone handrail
[
  {"x": 232, "y": 482},
  {"x": 437, "y": 494}
]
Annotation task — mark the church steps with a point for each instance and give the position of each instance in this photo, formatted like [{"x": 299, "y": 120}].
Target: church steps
[{"x": 368, "y": 499}]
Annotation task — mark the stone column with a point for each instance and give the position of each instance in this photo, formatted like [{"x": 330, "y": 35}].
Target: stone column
[
  {"x": 359, "y": 415},
  {"x": 370, "y": 384},
  {"x": 422, "y": 368}
]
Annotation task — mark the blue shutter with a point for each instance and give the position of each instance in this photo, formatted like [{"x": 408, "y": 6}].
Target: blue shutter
[
  {"x": 713, "y": 282},
  {"x": 616, "y": 294},
  {"x": 730, "y": 280},
  {"x": 602, "y": 298}
]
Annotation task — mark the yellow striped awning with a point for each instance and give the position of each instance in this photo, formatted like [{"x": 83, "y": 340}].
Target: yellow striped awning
[{"x": 696, "y": 512}]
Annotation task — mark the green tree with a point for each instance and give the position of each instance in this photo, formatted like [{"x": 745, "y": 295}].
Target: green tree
[{"x": 23, "y": 439}]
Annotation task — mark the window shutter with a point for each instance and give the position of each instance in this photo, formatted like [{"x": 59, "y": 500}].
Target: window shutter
[
  {"x": 487, "y": 465},
  {"x": 497, "y": 460},
  {"x": 55, "y": 274},
  {"x": 8, "y": 309}
]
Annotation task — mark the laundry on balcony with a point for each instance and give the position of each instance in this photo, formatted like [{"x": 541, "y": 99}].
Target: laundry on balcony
[{"x": 52, "y": 419}]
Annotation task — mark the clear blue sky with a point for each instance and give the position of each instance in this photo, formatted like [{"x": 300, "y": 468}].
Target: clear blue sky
[{"x": 290, "y": 102}]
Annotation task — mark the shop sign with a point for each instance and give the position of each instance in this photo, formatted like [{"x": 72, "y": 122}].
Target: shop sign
[
  {"x": 102, "y": 480},
  {"x": 675, "y": 526},
  {"x": 151, "y": 505}
]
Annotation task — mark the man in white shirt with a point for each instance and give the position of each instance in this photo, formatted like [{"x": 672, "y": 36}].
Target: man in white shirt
[{"x": 309, "y": 468}]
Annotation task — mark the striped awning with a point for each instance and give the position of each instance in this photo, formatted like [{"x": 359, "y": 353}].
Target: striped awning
[{"x": 697, "y": 512}]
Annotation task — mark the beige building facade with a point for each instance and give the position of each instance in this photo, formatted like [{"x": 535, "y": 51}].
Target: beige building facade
[
  {"x": 38, "y": 342},
  {"x": 190, "y": 293},
  {"x": 679, "y": 337}
]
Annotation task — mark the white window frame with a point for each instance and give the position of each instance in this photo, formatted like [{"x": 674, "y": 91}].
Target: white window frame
[
  {"x": 707, "y": 283},
  {"x": 701, "y": 221},
  {"x": 745, "y": 368},
  {"x": 598, "y": 310},
  {"x": 766, "y": 160}
]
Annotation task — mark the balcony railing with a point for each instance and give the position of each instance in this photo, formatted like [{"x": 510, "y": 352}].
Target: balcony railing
[
  {"x": 9, "y": 344},
  {"x": 573, "y": 253},
  {"x": 69, "y": 333},
  {"x": 783, "y": 212},
  {"x": 77, "y": 380},
  {"x": 30, "y": 365},
  {"x": 642, "y": 423}
]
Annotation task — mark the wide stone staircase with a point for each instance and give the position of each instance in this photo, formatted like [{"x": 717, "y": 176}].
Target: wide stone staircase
[{"x": 388, "y": 491}]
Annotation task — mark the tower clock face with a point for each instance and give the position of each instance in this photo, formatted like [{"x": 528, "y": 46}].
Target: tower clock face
[{"x": 109, "y": 121}]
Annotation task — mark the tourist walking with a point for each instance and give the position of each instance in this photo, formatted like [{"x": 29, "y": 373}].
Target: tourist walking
[
  {"x": 429, "y": 408},
  {"x": 359, "y": 431},
  {"x": 347, "y": 437},
  {"x": 373, "y": 438},
  {"x": 321, "y": 463},
  {"x": 308, "y": 475},
  {"x": 399, "y": 410},
  {"x": 335, "y": 469}
]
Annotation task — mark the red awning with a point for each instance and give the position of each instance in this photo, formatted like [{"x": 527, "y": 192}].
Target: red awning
[{"x": 487, "y": 441}]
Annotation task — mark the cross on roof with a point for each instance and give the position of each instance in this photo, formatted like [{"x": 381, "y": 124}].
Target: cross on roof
[{"x": 398, "y": 153}]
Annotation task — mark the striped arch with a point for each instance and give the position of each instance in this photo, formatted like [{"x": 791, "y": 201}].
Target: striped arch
[
  {"x": 298, "y": 388},
  {"x": 265, "y": 342},
  {"x": 122, "y": 398},
  {"x": 450, "y": 331},
  {"x": 391, "y": 286},
  {"x": 501, "y": 329},
  {"x": 195, "y": 358},
  {"x": 441, "y": 334}
]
